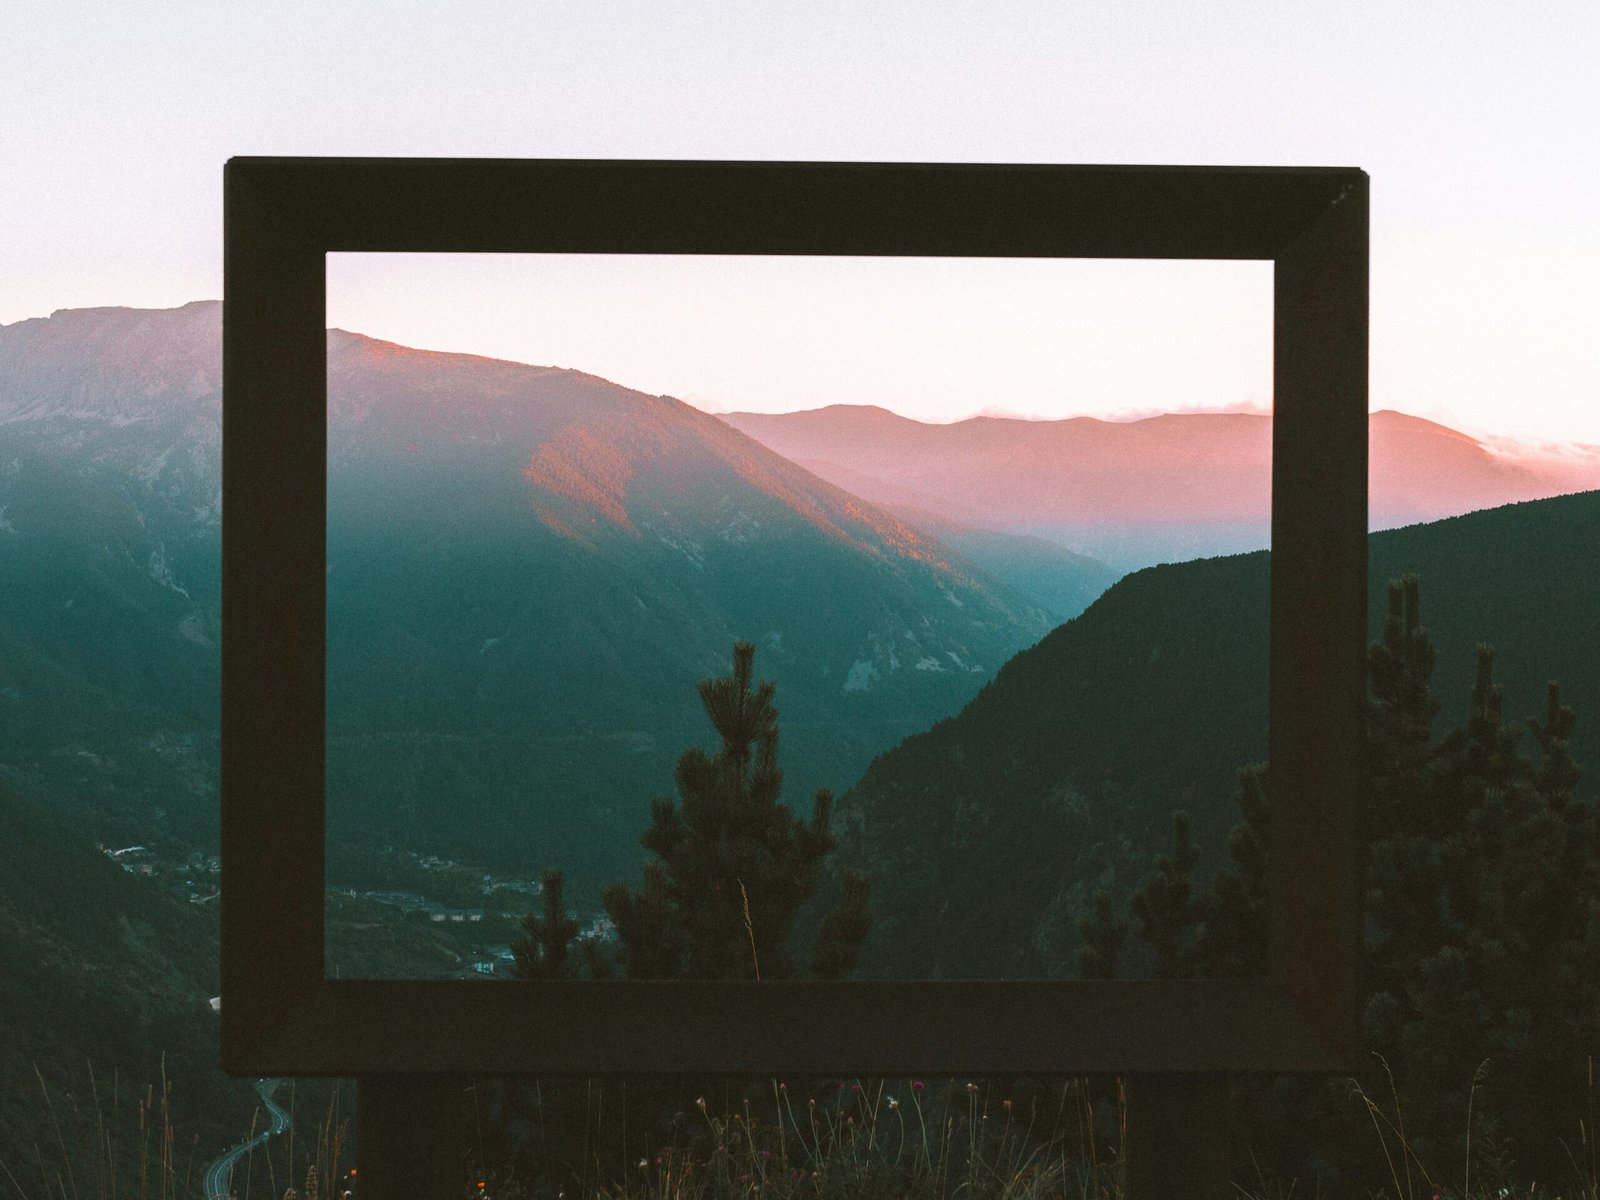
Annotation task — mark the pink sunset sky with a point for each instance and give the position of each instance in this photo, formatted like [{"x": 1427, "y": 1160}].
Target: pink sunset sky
[
  {"x": 1475, "y": 120},
  {"x": 934, "y": 339}
]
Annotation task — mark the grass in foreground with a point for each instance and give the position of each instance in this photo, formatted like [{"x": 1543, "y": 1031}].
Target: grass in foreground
[
  {"x": 872, "y": 1140},
  {"x": 121, "y": 1144}
]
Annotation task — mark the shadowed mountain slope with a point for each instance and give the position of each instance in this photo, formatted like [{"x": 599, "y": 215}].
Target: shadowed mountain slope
[{"x": 988, "y": 833}]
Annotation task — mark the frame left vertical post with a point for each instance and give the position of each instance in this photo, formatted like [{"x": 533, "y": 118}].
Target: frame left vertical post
[{"x": 274, "y": 370}]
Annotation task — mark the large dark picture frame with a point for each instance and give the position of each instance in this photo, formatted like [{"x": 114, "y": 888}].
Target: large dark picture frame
[{"x": 280, "y": 1016}]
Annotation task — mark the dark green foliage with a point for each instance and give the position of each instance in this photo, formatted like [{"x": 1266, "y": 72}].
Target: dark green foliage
[
  {"x": 1558, "y": 773},
  {"x": 1481, "y": 882},
  {"x": 105, "y": 976},
  {"x": 732, "y": 865},
  {"x": 649, "y": 936},
  {"x": 1166, "y": 908},
  {"x": 1232, "y": 942},
  {"x": 543, "y": 953},
  {"x": 1482, "y": 968},
  {"x": 844, "y": 931},
  {"x": 1103, "y": 934},
  {"x": 1403, "y": 706},
  {"x": 730, "y": 869}
]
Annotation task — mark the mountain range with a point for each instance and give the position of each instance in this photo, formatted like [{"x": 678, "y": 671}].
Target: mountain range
[
  {"x": 529, "y": 569},
  {"x": 1132, "y": 493}
]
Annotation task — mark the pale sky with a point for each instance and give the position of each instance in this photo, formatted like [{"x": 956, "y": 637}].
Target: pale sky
[
  {"x": 938, "y": 339},
  {"x": 1475, "y": 120}
]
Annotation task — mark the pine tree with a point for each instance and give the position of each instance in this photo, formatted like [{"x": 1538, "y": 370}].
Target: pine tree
[
  {"x": 1558, "y": 774},
  {"x": 731, "y": 868},
  {"x": 1482, "y": 950},
  {"x": 733, "y": 865},
  {"x": 1232, "y": 943},
  {"x": 543, "y": 953},
  {"x": 1415, "y": 804},
  {"x": 649, "y": 935},
  {"x": 1399, "y": 667},
  {"x": 1482, "y": 956},
  {"x": 1103, "y": 934},
  {"x": 844, "y": 931},
  {"x": 1165, "y": 907}
]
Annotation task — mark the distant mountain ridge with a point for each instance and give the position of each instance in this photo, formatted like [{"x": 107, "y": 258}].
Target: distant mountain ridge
[
  {"x": 601, "y": 454},
  {"x": 1164, "y": 488}
]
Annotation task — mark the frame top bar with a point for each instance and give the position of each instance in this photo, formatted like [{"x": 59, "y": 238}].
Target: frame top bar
[{"x": 924, "y": 209}]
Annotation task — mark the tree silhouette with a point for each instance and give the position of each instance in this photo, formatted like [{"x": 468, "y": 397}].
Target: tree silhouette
[
  {"x": 1167, "y": 910},
  {"x": 733, "y": 866},
  {"x": 1103, "y": 934},
  {"x": 543, "y": 953},
  {"x": 1482, "y": 930}
]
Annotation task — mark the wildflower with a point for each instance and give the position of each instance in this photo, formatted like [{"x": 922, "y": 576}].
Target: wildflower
[
  {"x": 796, "y": 1174},
  {"x": 855, "y": 1087},
  {"x": 917, "y": 1085},
  {"x": 701, "y": 1104},
  {"x": 643, "y": 1165},
  {"x": 972, "y": 1087},
  {"x": 1006, "y": 1104},
  {"x": 766, "y": 1154},
  {"x": 893, "y": 1103},
  {"x": 744, "y": 1178}
]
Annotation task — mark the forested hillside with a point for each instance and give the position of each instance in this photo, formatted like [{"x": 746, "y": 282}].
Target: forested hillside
[
  {"x": 107, "y": 983},
  {"x": 987, "y": 834}
]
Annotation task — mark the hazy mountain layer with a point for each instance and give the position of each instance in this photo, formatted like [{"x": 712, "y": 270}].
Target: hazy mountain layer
[{"x": 1132, "y": 493}]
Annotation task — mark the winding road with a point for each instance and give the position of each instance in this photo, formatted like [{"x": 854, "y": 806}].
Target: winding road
[{"x": 219, "y": 1175}]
